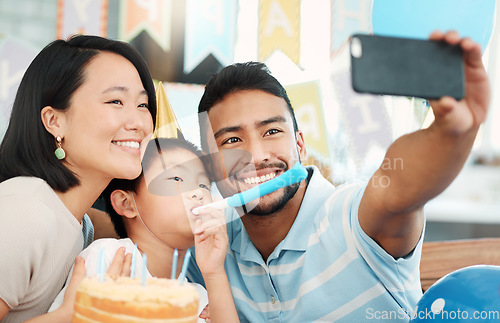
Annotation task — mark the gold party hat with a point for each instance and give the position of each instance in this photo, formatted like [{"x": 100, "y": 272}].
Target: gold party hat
[
  {"x": 166, "y": 123},
  {"x": 166, "y": 126}
]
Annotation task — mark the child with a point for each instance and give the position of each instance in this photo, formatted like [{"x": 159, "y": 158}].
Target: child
[{"x": 154, "y": 211}]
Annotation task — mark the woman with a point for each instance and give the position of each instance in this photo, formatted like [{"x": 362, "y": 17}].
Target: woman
[{"x": 80, "y": 113}]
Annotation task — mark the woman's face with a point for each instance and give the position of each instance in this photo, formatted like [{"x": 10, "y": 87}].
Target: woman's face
[
  {"x": 181, "y": 185},
  {"x": 107, "y": 119}
]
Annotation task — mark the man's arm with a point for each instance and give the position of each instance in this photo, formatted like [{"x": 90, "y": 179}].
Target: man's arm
[{"x": 429, "y": 159}]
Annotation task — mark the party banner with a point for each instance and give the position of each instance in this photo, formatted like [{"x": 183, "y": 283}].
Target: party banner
[
  {"x": 151, "y": 16},
  {"x": 210, "y": 29},
  {"x": 349, "y": 17},
  {"x": 81, "y": 17},
  {"x": 365, "y": 117},
  {"x": 14, "y": 59},
  {"x": 306, "y": 102},
  {"x": 279, "y": 28}
]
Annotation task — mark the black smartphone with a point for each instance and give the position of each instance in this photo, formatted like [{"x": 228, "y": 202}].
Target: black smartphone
[{"x": 406, "y": 67}]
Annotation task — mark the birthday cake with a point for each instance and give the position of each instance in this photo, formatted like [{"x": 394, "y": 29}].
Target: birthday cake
[{"x": 124, "y": 299}]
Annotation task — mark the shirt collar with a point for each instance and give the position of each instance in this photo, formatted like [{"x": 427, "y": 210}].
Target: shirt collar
[{"x": 318, "y": 190}]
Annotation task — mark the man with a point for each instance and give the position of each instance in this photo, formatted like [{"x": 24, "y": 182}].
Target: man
[{"x": 312, "y": 252}]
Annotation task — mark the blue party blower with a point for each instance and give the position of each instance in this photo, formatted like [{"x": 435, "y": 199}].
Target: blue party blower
[{"x": 294, "y": 175}]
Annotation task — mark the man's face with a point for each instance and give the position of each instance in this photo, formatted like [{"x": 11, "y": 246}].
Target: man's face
[{"x": 252, "y": 131}]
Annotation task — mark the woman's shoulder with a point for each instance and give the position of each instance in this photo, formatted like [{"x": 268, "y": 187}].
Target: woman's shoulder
[
  {"x": 25, "y": 211},
  {"x": 32, "y": 197},
  {"x": 26, "y": 197},
  {"x": 23, "y": 186}
]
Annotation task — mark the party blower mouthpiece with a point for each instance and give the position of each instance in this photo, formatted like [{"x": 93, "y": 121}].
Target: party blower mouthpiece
[{"x": 291, "y": 176}]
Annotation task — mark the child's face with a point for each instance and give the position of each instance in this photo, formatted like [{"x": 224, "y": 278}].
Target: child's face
[{"x": 183, "y": 185}]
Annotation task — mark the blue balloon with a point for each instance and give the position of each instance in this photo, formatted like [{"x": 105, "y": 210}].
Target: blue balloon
[
  {"x": 419, "y": 18},
  {"x": 468, "y": 294}
]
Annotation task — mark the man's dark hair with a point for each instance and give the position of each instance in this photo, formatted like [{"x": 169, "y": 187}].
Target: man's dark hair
[
  {"x": 239, "y": 77},
  {"x": 155, "y": 149},
  {"x": 52, "y": 78}
]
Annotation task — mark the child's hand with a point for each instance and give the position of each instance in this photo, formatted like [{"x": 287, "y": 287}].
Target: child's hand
[
  {"x": 211, "y": 241},
  {"x": 205, "y": 314},
  {"x": 120, "y": 266}
]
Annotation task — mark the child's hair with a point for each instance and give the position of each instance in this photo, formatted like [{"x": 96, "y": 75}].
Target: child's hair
[{"x": 155, "y": 149}]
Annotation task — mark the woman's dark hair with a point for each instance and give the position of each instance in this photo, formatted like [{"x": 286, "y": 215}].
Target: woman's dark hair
[
  {"x": 155, "y": 149},
  {"x": 239, "y": 77},
  {"x": 27, "y": 148}
]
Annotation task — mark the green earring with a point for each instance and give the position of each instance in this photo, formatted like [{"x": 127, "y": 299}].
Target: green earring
[{"x": 60, "y": 153}]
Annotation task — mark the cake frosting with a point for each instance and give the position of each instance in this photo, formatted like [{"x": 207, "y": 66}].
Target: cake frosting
[{"x": 124, "y": 299}]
